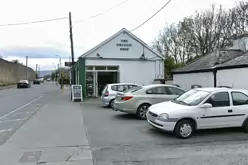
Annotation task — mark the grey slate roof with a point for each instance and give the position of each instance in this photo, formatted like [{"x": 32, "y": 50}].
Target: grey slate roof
[
  {"x": 210, "y": 60},
  {"x": 241, "y": 60}
]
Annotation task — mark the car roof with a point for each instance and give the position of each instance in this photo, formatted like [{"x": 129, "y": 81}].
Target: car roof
[
  {"x": 159, "y": 85},
  {"x": 123, "y": 84},
  {"x": 212, "y": 89}
]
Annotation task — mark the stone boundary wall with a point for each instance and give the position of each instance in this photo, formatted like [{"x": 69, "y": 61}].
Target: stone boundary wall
[{"x": 12, "y": 72}]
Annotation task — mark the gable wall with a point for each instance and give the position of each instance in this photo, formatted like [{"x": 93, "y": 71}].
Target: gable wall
[{"x": 111, "y": 50}]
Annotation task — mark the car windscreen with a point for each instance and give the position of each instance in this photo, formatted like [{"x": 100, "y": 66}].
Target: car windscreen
[
  {"x": 132, "y": 90},
  {"x": 192, "y": 97}
]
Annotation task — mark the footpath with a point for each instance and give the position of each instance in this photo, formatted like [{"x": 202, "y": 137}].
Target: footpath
[{"x": 55, "y": 135}]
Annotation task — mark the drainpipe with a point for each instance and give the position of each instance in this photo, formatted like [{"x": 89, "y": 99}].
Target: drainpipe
[{"x": 215, "y": 76}]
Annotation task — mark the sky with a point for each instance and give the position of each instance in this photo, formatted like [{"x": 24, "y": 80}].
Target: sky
[{"x": 45, "y": 42}]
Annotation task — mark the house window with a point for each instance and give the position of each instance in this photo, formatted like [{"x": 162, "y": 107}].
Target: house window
[
  {"x": 112, "y": 67},
  {"x": 89, "y": 67},
  {"x": 100, "y": 67}
]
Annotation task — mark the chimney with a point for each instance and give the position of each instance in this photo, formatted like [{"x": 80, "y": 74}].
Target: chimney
[
  {"x": 218, "y": 60},
  {"x": 241, "y": 42}
]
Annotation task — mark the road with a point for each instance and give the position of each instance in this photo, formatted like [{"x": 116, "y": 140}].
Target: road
[
  {"x": 120, "y": 139},
  {"x": 18, "y": 105}
]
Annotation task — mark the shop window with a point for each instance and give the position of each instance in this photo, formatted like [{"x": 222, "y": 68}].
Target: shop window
[
  {"x": 112, "y": 67},
  {"x": 89, "y": 67},
  {"x": 100, "y": 67}
]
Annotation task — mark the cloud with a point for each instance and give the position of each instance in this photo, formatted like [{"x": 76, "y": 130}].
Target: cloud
[{"x": 33, "y": 52}]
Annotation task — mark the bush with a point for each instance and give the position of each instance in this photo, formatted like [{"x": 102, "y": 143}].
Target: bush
[{"x": 66, "y": 81}]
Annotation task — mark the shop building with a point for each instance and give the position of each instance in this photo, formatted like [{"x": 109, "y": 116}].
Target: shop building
[{"x": 121, "y": 58}]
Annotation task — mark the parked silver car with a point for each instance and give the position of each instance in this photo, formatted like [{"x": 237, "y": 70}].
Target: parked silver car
[
  {"x": 110, "y": 92},
  {"x": 137, "y": 101}
]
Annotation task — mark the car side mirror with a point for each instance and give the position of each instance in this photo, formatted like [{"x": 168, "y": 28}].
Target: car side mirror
[{"x": 206, "y": 105}]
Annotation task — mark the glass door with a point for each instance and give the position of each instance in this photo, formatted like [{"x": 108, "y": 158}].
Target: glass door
[
  {"x": 95, "y": 84},
  {"x": 91, "y": 84}
]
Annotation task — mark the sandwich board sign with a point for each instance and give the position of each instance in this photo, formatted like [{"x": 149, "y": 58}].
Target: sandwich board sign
[{"x": 76, "y": 91}]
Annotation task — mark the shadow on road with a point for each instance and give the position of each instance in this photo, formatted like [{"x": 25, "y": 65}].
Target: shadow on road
[{"x": 127, "y": 117}]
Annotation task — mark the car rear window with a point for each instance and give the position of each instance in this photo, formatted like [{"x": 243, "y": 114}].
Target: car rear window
[
  {"x": 23, "y": 81},
  {"x": 119, "y": 88},
  {"x": 134, "y": 89}
]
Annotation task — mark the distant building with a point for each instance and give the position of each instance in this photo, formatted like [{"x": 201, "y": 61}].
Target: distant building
[{"x": 227, "y": 67}]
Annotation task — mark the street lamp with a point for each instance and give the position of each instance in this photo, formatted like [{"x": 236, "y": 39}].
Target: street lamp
[
  {"x": 59, "y": 66},
  {"x": 60, "y": 74}
]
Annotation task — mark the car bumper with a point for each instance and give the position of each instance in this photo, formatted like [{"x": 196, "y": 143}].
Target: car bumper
[
  {"x": 123, "y": 107},
  {"x": 105, "y": 101},
  {"x": 22, "y": 86},
  {"x": 162, "y": 125}
]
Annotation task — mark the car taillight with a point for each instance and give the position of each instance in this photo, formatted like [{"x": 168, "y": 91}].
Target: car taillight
[
  {"x": 125, "y": 98},
  {"x": 106, "y": 94}
]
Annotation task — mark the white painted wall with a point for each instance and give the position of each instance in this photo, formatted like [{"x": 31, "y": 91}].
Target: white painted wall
[
  {"x": 236, "y": 77},
  {"x": 132, "y": 71},
  {"x": 241, "y": 43},
  {"x": 205, "y": 79},
  {"x": 111, "y": 50}
]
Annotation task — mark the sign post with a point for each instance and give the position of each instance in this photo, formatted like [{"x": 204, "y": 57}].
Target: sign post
[{"x": 76, "y": 91}]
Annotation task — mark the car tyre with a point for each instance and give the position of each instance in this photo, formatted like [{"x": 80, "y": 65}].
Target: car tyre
[
  {"x": 142, "y": 109},
  {"x": 111, "y": 103},
  {"x": 184, "y": 129},
  {"x": 245, "y": 126}
]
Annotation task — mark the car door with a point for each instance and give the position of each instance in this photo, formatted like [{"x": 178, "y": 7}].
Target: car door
[
  {"x": 156, "y": 94},
  {"x": 219, "y": 115},
  {"x": 172, "y": 93},
  {"x": 239, "y": 107}
]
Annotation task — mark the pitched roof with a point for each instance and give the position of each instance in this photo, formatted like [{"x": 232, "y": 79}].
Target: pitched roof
[
  {"x": 123, "y": 30},
  {"x": 209, "y": 61},
  {"x": 238, "y": 61}
]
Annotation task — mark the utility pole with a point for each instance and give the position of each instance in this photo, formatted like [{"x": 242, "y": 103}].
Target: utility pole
[
  {"x": 26, "y": 67},
  {"x": 36, "y": 71},
  {"x": 39, "y": 71},
  {"x": 57, "y": 75},
  {"x": 60, "y": 74},
  {"x": 72, "y": 50}
]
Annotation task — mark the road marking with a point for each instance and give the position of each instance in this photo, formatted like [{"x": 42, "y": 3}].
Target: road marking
[
  {"x": 12, "y": 120},
  {"x": 20, "y": 108},
  {"x": 5, "y": 130}
]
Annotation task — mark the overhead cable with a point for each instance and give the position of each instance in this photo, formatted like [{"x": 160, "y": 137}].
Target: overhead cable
[
  {"x": 152, "y": 15},
  {"x": 105, "y": 11},
  {"x": 33, "y": 22}
]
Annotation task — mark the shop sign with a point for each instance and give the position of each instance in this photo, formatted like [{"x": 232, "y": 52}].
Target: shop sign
[
  {"x": 124, "y": 45},
  {"x": 76, "y": 92}
]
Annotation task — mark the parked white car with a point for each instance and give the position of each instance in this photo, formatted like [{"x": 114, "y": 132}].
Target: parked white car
[
  {"x": 110, "y": 92},
  {"x": 201, "y": 108}
]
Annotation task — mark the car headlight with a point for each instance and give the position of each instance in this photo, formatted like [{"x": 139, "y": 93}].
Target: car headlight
[{"x": 163, "y": 116}]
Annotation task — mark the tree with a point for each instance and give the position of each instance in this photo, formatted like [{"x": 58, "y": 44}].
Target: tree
[
  {"x": 65, "y": 74},
  {"x": 200, "y": 34},
  {"x": 16, "y": 62}
]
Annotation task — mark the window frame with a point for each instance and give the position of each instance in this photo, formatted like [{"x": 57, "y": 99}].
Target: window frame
[
  {"x": 156, "y": 93},
  {"x": 239, "y": 93},
  {"x": 170, "y": 92},
  {"x": 229, "y": 97}
]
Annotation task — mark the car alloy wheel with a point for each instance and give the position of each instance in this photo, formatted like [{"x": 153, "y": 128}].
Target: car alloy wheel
[
  {"x": 111, "y": 103},
  {"x": 184, "y": 129},
  {"x": 245, "y": 126},
  {"x": 142, "y": 110}
]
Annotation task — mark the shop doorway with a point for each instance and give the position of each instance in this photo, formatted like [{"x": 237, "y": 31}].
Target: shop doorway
[
  {"x": 106, "y": 78},
  {"x": 98, "y": 76}
]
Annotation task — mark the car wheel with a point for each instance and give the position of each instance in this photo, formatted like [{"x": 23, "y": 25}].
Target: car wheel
[
  {"x": 111, "y": 103},
  {"x": 184, "y": 129},
  {"x": 142, "y": 109},
  {"x": 245, "y": 126}
]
